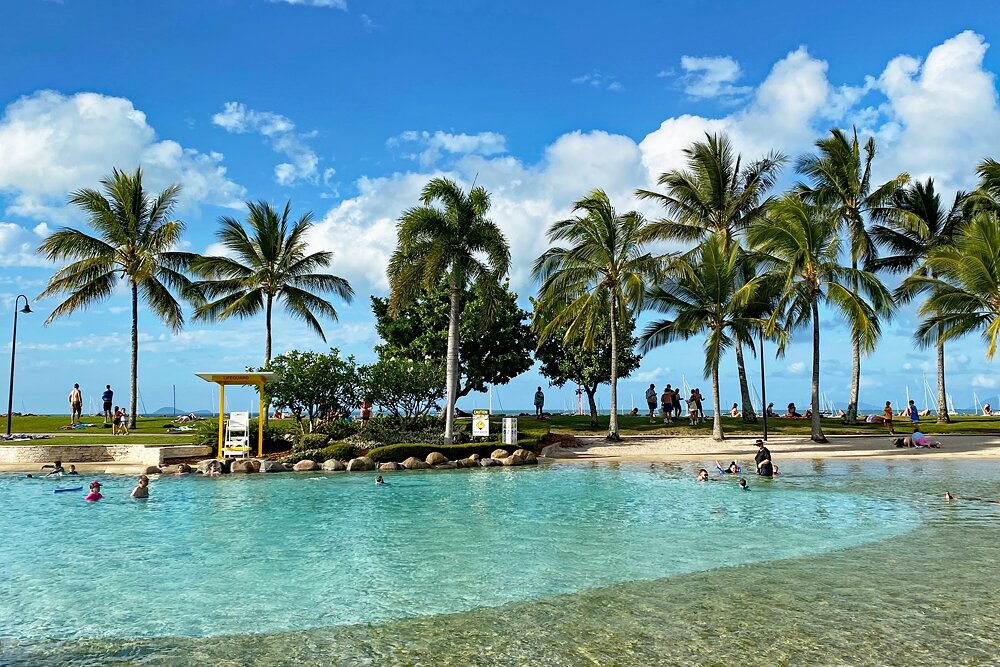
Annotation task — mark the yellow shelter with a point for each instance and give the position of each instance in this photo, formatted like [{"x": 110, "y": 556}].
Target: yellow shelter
[{"x": 241, "y": 379}]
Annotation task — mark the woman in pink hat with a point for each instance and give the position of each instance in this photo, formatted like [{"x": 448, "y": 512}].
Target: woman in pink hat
[{"x": 95, "y": 492}]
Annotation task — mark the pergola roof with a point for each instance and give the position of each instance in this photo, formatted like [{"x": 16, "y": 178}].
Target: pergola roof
[{"x": 245, "y": 378}]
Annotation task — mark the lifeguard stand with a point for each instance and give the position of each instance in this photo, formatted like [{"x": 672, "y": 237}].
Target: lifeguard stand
[{"x": 240, "y": 379}]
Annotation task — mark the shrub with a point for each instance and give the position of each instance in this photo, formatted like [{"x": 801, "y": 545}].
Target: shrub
[
  {"x": 304, "y": 441},
  {"x": 342, "y": 451},
  {"x": 338, "y": 429},
  {"x": 390, "y": 431}
]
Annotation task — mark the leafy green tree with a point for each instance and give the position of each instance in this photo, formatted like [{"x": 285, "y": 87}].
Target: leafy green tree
[
  {"x": 707, "y": 293},
  {"x": 600, "y": 276},
  {"x": 963, "y": 285},
  {"x": 270, "y": 263},
  {"x": 406, "y": 389},
  {"x": 573, "y": 362},
  {"x": 134, "y": 243},
  {"x": 717, "y": 194},
  {"x": 318, "y": 382},
  {"x": 841, "y": 180},
  {"x": 455, "y": 243},
  {"x": 987, "y": 195},
  {"x": 800, "y": 244},
  {"x": 914, "y": 227},
  {"x": 494, "y": 349}
]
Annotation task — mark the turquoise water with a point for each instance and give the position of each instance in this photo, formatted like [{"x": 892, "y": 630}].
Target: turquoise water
[{"x": 833, "y": 563}]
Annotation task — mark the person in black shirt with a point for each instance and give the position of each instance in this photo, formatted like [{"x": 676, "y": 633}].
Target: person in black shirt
[{"x": 765, "y": 468}]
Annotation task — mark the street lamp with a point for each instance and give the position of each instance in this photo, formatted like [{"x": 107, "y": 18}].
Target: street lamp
[
  {"x": 13, "y": 349},
  {"x": 763, "y": 391}
]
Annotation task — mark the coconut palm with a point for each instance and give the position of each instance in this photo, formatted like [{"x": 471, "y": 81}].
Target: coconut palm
[
  {"x": 841, "y": 173},
  {"x": 134, "y": 242},
  {"x": 914, "y": 227},
  {"x": 716, "y": 194},
  {"x": 962, "y": 285},
  {"x": 988, "y": 194},
  {"x": 455, "y": 242},
  {"x": 800, "y": 243},
  {"x": 599, "y": 275},
  {"x": 708, "y": 293},
  {"x": 268, "y": 263}
]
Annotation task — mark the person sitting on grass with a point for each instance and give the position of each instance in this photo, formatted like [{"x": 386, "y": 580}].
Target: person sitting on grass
[
  {"x": 770, "y": 410},
  {"x": 732, "y": 469},
  {"x": 791, "y": 412},
  {"x": 987, "y": 410},
  {"x": 634, "y": 413},
  {"x": 734, "y": 412}
]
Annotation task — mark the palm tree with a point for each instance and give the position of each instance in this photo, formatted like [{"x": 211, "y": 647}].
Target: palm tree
[
  {"x": 600, "y": 276},
  {"x": 963, "y": 295},
  {"x": 988, "y": 194},
  {"x": 718, "y": 195},
  {"x": 801, "y": 244},
  {"x": 270, "y": 263},
  {"x": 841, "y": 181},
  {"x": 914, "y": 228},
  {"x": 457, "y": 243},
  {"x": 134, "y": 242},
  {"x": 707, "y": 292}
]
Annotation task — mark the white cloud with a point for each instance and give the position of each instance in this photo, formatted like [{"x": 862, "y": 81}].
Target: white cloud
[
  {"x": 53, "y": 144},
  {"x": 795, "y": 368},
  {"x": 432, "y": 146},
  {"x": 598, "y": 80},
  {"x": 707, "y": 77},
  {"x": 303, "y": 164},
  {"x": 333, "y": 4},
  {"x": 984, "y": 381},
  {"x": 18, "y": 245},
  {"x": 656, "y": 375}
]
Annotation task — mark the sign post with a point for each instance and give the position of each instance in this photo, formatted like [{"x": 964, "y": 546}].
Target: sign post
[
  {"x": 480, "y": 423},
  {"x": 510, "y": 430}
]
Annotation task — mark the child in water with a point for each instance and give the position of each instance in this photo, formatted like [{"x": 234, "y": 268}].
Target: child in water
[
  {"x": 95, "y": 492},
  {"x": 142, "y": 489},
  {"x": 743, "y": 484},
  {"x": 379, "y": 481},
  {"x": 733, "y": 469}
]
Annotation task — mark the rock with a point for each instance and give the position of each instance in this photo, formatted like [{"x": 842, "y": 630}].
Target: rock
[
  {"x": 434, "y": 458},
  {"x": 272, "y": 466},
  {"x": 486, "y": 463},
  {"x": 183, "y": 468},
  {"x": 334, "y": 465},
  {"x": 499, "y": 454},
  {"x": 445, "y": 465},
  {"x": 526, "y": 455},
  {"x": 361, "y": 463},
  {"x": 151, "y": 470},
  {"x": 391, "y": 465},
  {"x": 242, "y": 466},
  {"x": 467, "y": 463},
  {"x": 512, "y": 461},
  {"x": 305, "y": 465},
  {"x": 520, "y": 453},
  {"x": 553, "y": 450},
  {"x": 413, "y": 463},
  {"x": 474, "y": 458},
  {"x": 531, "y": 459},
  {"x": 203, "y": 465}
]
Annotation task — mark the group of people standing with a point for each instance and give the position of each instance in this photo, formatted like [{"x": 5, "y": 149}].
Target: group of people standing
[
  {"x": 670, "y": 404},
  {"x": 114, "y": 415}
]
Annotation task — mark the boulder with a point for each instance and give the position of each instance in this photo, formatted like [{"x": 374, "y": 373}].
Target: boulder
[
  {"x": 413, "y": 463},
  {"x": 272, "y": 466},
  {"x": 391, "y": 465},
  {"x": 305, "y": 465},
  {"x": 467, "y": 463},
  {"x": 520, "y": 453},
  {"x": 242, "y": 466},
  {"x": 434, "y": 458},
  {"x": 361, "y": 463},
  {"x": 499, "y": 454},
  {"x": 445, "y": 465},
  {"x": 474, "y": 458},
  {"x": 334, "y": 465},
  {"x": 531, "y": 459},
  {"x": 526, "y": 455},
  {"x": 486, "y": 463},
  {"x": 151, "y": 470},
  {"x": 512, "y": 461}
]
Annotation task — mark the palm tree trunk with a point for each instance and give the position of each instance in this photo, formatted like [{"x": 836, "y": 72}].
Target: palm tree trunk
[
  {"x": 852, "y": 404},
  {"x": 943, "y": 416},
  {"x": 267, "y": 360},
  {"x": 135, "y": 356},
  {"x": 716, "y": 405},
  {"x": 593, "y": 404},
  {"x": 613, "y": 423},
  {"x": 452, "y": 370},
  {"x": 749, "y": 416},
  {"x": 817, "y": 427}
]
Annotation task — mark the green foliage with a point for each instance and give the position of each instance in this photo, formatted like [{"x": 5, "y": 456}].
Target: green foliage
[
  {"x": 318, "y": 382},
  {"x": 389, "y": 430},
  {"x": 406, "y": 390},
  {"x": 340, "y": 451},
  {"x": 339, "y": 429},
  {"x": 278, "y": 435},
  {"x": 494, "y": 349},
  {"x": 307, "y": 441}
]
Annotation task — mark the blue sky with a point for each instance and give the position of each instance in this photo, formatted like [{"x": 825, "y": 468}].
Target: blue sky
[{"x": 349, "y": 107}]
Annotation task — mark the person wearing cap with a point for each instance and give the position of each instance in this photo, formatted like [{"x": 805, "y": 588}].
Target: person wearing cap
[
  {"x": 765, "y": 467},
  {"x": 95, "y": 492},
  {"x": 142, "y": 489}
]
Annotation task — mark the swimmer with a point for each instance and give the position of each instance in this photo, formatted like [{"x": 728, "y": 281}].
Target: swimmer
[
  {"x": 29, "y": 476},
  {"x": 949, "y": 498},
  {"x": 57, "y": 469},
  {"x": 95, "y": 492},
  {"x": 733, "y": 469},
  {"x": 702, "y": 475},
  {"x": 183, "y": 469},
  {"x": 142, "y": 489},
  {"x": 72, "y": 470},
  {"x": 743, "y": 484},
  {"x": 379, "y": 481},
  {"x": 213, "y": 469}
]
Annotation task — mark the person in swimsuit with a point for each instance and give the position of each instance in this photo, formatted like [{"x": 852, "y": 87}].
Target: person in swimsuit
[
  {"x": 733, "y": 469},
  {"x": 698, "y": 398},
  {"x": 743, "y": 484},
  {"x": 142, "y": 488},
  {"x": 667, "y": 405},
  {"x": 57, "y": 470},
  {"x": 213, "y": 469},
  {"x": 735, "y": 411},
  {"x": 379, "y": 481},
  {"x": 75, "y": 405},
  {"x": 366, "y": 412},
  {"x": 651, "y": 402},
  {"x": 72, "y": 470},
  {"x": 702, "y": 475},
  {"x": 949, "y": 498},
  {"x": 95, "y": 492}
]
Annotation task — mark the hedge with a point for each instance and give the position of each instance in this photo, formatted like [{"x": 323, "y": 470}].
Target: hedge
[{"x": 342, "y": 451}]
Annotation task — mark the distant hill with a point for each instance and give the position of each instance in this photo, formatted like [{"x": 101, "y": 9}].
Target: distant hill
[{"x": 169, "y": 412}]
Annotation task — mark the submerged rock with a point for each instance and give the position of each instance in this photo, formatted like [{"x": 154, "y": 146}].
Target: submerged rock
[
  {"x": 361, "y": 463},
  {"x": 434, "y": 458},
  {"x": 333, "y": 465},
  {"x": 413, "y": 463},
  {"x": 305, "y": 465}
]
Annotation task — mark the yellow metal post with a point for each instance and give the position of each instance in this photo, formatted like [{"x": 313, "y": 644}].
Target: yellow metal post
[
  {"x": 222, "y": 412},
  {"x": 260, "y": 424}
]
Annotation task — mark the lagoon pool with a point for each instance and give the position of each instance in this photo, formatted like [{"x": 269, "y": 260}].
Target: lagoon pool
[{"x": 313, "y": 557}]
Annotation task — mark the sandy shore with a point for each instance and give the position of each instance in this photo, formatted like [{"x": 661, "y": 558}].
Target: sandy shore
[{"x": 660, "y": 448}]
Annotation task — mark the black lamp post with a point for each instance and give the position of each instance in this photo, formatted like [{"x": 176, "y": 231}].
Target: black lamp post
[
  {"x": 13, "y": 349},
  {"x": 763, "y": 391}
]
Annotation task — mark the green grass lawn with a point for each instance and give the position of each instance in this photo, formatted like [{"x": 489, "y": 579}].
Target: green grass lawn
[
  {"x": 54, "y": 423},
  {"x": 104, "y": 440},
  {"x": 574, "y": 424}
]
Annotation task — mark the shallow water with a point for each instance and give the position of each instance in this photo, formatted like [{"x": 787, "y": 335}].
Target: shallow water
[{"x": 834, "y": 563}]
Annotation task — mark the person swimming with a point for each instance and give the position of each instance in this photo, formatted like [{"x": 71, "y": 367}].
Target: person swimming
[
  {"x": 379, "y": 481},
  {"x": 57, "y": 470},
  {"x": 142, "y": 488},
  {"x": 743, "y": 484},
  {"x": 95, "y": 492},
  {"x": 702, "y": 475},
  {"x": 72, "y": 470},
  {"x": 949, "y": 497},
  {"x": 732, "y": 469},
  {"x": 213, "y": 469}
]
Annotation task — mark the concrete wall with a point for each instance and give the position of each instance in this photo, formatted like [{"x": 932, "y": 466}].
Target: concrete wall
[{"x": 133, "y": 454}]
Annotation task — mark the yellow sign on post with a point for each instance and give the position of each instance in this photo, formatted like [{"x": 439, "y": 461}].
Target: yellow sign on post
[{"x": 481, "y": 423}]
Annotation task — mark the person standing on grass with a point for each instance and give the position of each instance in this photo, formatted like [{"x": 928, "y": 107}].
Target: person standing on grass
[
  {"x": 676, "y": 401},
  {"x": 698, "y": 398},
  {"x": 651, "y": 402},
  {"x": 887, "y": 417},
  {"x": 108, "y": 396},
  {"x": 75, "y": 405},
  {"x": 667, "y": 405},
  {"x": 539, "y": 403},
  {"x": 913, "y": 413}
]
